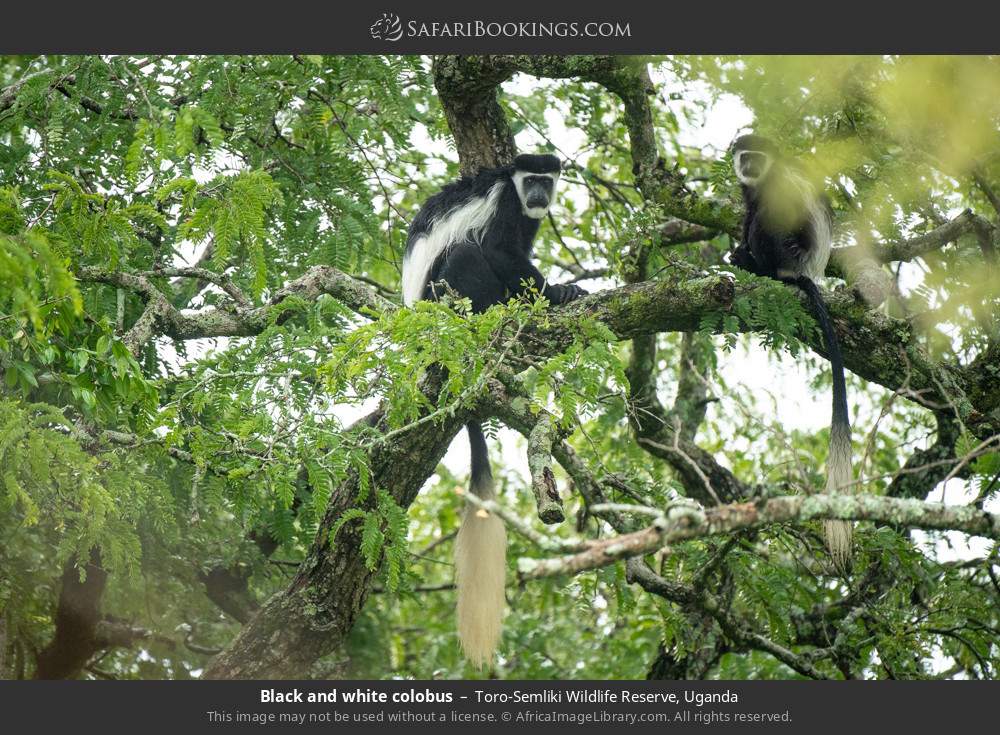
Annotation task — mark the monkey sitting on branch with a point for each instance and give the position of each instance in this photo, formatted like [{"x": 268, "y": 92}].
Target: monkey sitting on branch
[
  {"x": 476, "y": 235},
  {"x": 787, "y": 235}
]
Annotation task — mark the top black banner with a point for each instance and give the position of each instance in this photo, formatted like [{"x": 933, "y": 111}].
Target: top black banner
[{"x": 446, "y": 26}]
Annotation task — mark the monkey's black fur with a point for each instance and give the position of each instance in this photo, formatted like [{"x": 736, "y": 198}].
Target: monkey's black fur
[
  {"x": 772, "y": 245},
  {"x": 764, "y": 252},
  {"x": 490, "y": 269},
  {"x": 493, "y": 268},
  {"x": 840, "y": 412},
  {"x": 768, "y": 251}
]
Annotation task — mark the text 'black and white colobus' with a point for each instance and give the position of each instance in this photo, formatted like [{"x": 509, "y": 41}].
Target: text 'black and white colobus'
[
  {"x": 476, "y": 235},
  {"x": 787, "y": 235}
]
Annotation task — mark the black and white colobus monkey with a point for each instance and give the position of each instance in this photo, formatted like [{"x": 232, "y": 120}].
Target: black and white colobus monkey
[
  {"x": 476, "y": 235},
  {"x": 787, "y": 233}
]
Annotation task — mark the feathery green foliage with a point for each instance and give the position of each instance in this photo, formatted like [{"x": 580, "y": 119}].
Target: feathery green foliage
[{"x": 201, "y": 470}]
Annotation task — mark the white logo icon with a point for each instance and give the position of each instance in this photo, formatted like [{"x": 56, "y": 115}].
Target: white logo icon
[{"x": 387, "y": 28}]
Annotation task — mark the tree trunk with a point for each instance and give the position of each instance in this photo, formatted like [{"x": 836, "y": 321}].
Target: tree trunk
[
  {"x": 77, "y": 616},
  {"x": 467, "y": 88}
]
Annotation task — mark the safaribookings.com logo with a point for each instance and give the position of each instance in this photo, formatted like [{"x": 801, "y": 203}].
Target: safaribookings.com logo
[
  {"x": 390, "y": 28},
  {"x": 387, "y": 28}
]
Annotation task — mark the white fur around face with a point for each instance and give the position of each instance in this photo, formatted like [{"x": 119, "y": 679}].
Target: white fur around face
[
  {"x": 468, "y": 221},
  {"x": 750, "y": 180},
  {"x": 533, "y": 212}
]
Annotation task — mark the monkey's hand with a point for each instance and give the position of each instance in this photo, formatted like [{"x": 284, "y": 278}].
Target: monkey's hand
[
  {"x": 563, "y": 293},
  {"x": 742, "y": 258}
]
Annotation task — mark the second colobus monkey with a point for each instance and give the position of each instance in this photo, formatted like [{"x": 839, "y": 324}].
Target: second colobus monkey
[
  {"x": 476, "y": 235},
  {"x": 787, "y": 233}
]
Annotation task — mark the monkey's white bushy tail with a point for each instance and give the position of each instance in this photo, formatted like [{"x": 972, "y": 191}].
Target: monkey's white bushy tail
[
  {"x": 480, "y": 564},
  {"x": 839, "y": 535}
]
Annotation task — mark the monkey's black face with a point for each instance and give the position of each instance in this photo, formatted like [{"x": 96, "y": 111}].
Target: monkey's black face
[
  {"x": 751, "y": 166},
  {"x": 536, "y": 192},
  {"x": 753, "y": 163}
]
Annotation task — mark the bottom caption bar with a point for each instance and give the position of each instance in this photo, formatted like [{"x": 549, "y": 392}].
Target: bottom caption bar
[{"x": 373, "y": 706}]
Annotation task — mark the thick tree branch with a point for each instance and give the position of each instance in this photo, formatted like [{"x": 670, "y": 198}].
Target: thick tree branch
[
  {"x": 158, "y": 311},
  {"x": 683, "y": 523},
  {"x": 80, "y": 629},
  {"x": 467, "y": 87},
  {"x": 227, "y": 587},
  {"x": 327, "y": 280},
  {"x": 311, "y": 617},
  {"x": 637, "y": 309},
  {"x": 876, "y": 347},
  {"x": 925, "y": 468}
]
